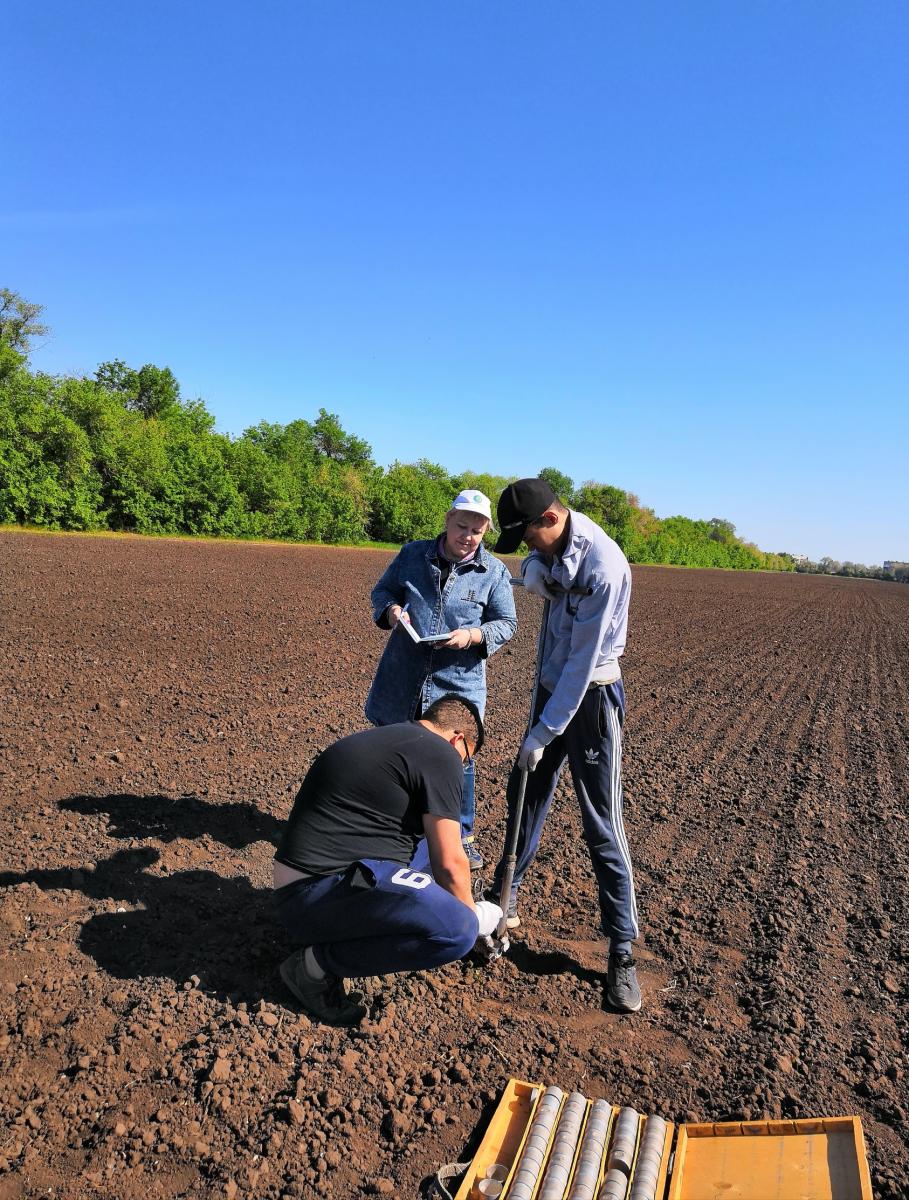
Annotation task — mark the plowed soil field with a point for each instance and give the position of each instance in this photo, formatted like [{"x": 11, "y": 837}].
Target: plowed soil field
[{"x": 162, "y": 701}]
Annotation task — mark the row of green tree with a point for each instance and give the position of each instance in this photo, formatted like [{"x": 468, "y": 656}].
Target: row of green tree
[
  {"x": 124, "y": 450},
  {"x": 852, "y": 570}
]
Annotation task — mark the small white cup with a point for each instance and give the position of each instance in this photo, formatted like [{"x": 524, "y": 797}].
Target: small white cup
[{"x": 489, "y": 1189}]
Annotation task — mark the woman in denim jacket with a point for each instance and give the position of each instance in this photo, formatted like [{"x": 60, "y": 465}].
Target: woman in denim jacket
[{"x": 449, "y": 583}]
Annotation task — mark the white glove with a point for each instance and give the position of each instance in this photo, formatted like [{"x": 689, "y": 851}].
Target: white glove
[
  {"x": 490, "y": 947},
  {"x": 533, "y": 746},
  {"x": 489, "y": 915},
  {"x": 537, "y": 578}
]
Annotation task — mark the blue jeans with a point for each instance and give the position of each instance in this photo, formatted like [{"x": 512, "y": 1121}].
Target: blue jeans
[
  {"x": 375, "y": 918},
  {"x": 468, "y": 800},
  {"x": 592, "y": 745}
]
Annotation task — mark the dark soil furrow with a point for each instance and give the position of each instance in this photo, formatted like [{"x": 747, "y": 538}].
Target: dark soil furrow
[{"x": 162, "y": 700}]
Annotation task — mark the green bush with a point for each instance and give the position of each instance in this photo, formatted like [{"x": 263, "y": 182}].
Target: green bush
[
  {"x": 47, "y": 476},
  {"x": 410, "y": 501}
]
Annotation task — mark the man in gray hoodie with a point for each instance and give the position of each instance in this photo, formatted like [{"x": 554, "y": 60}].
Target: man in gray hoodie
[{"x": 580, "y": 707}]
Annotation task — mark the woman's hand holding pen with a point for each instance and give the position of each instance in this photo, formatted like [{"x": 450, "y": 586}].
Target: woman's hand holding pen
[{"x": 395, "y": 613}]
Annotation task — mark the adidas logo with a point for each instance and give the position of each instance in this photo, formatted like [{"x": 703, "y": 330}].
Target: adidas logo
[{"x": 592, "y": 756}]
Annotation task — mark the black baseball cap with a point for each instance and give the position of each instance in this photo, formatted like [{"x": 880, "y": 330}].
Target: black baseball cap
[{"x": 522, "y": 502}]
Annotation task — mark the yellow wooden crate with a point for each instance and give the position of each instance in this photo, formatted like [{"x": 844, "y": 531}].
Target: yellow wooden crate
[
  {"x": 819, "y": 1158},
  {"x": 508, "y": 1129},
  {"x": 809, "y": 1159}
]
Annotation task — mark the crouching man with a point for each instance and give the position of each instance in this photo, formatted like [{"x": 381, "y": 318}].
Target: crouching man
[{"x": 344, "y": 886}]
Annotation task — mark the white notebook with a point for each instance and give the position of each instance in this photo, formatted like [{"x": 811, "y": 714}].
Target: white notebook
[{"x": 405, "y": 624}]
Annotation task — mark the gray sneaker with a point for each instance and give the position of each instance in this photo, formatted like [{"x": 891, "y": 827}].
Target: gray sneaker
[
  {"x": 322, "y": 999},
  {"x": 622, "y": 989}
]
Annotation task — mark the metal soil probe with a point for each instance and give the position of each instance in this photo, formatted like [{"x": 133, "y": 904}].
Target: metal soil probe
[
  {"x": 511, "y": 860},
  {"x": 501, "y": 934}
]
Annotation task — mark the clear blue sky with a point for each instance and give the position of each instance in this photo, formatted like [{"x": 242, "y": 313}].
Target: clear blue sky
[{"x": 659, "y": 245}]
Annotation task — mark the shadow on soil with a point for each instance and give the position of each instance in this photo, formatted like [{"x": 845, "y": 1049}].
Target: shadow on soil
[
  {"x": 550, "y": 962},
  {"x": 161, "y": 817},
  {"x": 554, "y": 962},
  {"x": 189, "y": 922}
]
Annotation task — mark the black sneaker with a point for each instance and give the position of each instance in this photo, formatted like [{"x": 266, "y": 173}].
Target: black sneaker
[
  {"x": 474, "y": 857},
  {"x": 322, "y": 999},
  {"x": 622, "y": 989}
]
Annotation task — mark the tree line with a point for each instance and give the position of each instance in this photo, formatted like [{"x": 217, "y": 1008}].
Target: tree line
[{"x": 123, "y": 450}]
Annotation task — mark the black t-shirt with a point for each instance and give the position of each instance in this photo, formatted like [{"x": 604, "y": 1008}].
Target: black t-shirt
[{"x": 366, "y": 795}]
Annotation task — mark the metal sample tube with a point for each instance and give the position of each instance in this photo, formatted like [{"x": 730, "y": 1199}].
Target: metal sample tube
[
  {"x": 624, "y": 1140},
  {"x": 529, "y": 1165},
  {"x": 590, "y": 1155},
  {"x": 615, "y": 1185},
  {"x": 649, "y": 1160},
  {"x": 539, "y": 1137},
  {"x": 564, "y": 1146}
]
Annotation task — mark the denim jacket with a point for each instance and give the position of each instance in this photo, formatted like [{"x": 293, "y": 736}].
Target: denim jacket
[{"x": 477, "y": 595}]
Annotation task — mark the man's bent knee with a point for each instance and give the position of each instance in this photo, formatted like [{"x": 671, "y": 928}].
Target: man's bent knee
[{"x": 457, "y": 938}]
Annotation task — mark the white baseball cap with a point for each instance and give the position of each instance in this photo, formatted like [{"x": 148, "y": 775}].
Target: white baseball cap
[{"x": 473, "y": 501}]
